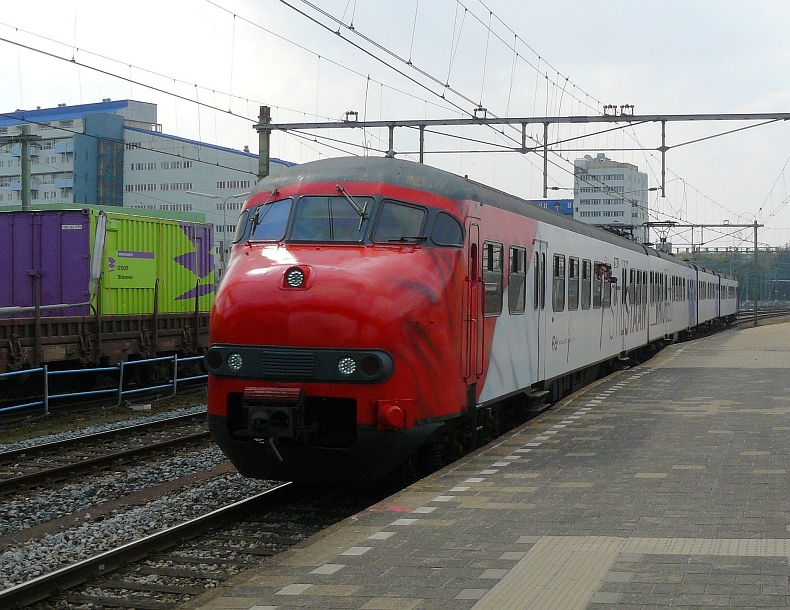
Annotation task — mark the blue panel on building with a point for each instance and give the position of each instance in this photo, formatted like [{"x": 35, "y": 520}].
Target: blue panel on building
[
  {"x": 561, "y": 206},
  {"x": 98, "y": 161}
]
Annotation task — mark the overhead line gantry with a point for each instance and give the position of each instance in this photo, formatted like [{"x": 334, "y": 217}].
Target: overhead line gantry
[{"x": 264, "y": 127}]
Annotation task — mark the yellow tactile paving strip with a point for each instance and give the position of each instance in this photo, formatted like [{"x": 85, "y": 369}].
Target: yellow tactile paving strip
[
  {"x": 559, "y": 572},
  {"x": 566, "y": 571}
]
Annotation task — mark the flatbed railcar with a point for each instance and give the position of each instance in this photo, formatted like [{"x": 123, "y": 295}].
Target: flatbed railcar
[{"x": 379, "y": 312}]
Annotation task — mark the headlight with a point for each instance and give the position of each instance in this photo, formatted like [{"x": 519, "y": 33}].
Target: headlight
[
  {"x": 214, "y": 359},
  {"x": 346, "y": 366},
  {"x": 235, "y": 361},
  {"x": 294, "y": 277}
]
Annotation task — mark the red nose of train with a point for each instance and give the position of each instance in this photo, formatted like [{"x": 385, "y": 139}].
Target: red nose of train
[{"x": 326, "y": 297}]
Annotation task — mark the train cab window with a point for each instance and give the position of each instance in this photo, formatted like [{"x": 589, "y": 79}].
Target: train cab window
[
  {"x": 493, "y": 271},
  {"x": 269, "y": 221},
  {"x": 329, "y": 219},
  {"x": 517, "y": 280},
  {"x": 573, "y": 283},
  {"x": 586, "y": 283},
  {"x": 558, "y": 283},
  {"x": 596, "y": 288},
  {"x": 447, "y": 231},
  {"x": 241, "y": 226},
  {"x": 399, "y": 222}
]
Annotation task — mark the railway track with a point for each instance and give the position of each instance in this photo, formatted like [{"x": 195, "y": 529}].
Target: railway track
[
  {"x": 53, "y": 462},
  {"x": 172, "y": 566},
  {"x": 746, "y": 316}
]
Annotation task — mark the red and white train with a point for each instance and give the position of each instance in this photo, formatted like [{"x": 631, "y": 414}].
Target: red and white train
[{"x": 378, "y": 311}]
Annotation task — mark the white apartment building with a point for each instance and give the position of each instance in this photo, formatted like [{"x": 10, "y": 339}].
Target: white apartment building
[{"x": 611, "y": 195}]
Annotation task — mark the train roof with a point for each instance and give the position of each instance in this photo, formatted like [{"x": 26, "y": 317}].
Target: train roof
[{"x": 419, "y": 176}]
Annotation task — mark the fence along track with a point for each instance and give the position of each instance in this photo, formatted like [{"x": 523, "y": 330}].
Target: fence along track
[{"x": 44, "y": 397}]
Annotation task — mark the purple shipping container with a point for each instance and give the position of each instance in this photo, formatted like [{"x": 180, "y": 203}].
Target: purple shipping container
[{"x": 52, "y": 244}]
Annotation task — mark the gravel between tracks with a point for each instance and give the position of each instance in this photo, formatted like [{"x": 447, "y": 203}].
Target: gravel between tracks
[
  {"x": 60, "y": 436},
  {"x": 39, "y": 507},
  {"x": 34, "y": 558}
]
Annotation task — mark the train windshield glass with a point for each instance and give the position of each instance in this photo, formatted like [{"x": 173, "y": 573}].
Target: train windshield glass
[
  {"x": 399, "y": 222},
  {"x": 329, "y": 219},
  {"x": 270, "y": 220}
]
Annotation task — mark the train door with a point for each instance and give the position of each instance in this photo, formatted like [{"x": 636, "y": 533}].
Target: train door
[
  {"x": 718, "y": 297},
  {"x": 472, "y": 353},
  {"x": 538, "y": 350},
  {"x": 625, "y": 310}
]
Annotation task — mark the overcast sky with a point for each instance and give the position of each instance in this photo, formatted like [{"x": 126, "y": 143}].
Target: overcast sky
[{"x": 664, "y": 57}]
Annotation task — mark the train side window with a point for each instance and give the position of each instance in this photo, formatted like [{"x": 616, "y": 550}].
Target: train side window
[
  {"x": 643, "y": 287},
  {"x": 573, "y": 283},
  {"x": 447, "y": 231},
  {"x": 493, "y": 271},
  {"x": 558, "y": 283},
  {"x": 517, "y": 280},
  {"x": 536, "y": 283},
  {"x": 586, "y": 283},
  {"x": 399, "y": 222},
  {"x": 269, "y": 221},
  {"x": 596, "y": 288},
  {"x": 652, "y": 287},
  {"x": 607, "y": 291}
]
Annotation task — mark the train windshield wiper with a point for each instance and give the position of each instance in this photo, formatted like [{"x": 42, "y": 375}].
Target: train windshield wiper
[
  {"x": 362, "y": 211},
  {"x": 410, "y": 238},
  {"x": 256, "y": 220}
]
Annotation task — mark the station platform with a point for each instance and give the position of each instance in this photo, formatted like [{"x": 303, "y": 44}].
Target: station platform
[{"x": 662, "y": 485}]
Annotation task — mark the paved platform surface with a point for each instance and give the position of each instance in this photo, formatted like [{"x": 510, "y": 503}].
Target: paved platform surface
[{"x": 663, "y": 485}]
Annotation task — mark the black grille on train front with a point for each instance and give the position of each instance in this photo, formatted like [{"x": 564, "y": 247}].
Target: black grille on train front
[
  {"x": 299, "y": 364},
  {"x": 291, "y": 364}
]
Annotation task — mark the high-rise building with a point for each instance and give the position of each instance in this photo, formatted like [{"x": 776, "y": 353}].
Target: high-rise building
[
  {"x": 115, "y": 153},
  {"x": 611, "y": 195}
]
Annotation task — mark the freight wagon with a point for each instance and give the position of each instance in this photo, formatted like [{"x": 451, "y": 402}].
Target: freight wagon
[{"x": 101, "y": 287}]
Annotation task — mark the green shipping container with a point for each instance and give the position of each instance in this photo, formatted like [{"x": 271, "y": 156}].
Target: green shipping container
[{"x": 140, "y": 250}]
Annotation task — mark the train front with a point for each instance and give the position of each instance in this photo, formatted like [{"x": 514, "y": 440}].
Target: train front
[{"x": 335, "y": 348}]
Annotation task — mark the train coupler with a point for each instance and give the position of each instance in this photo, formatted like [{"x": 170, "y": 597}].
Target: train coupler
[{"x": 273, "y": 412}]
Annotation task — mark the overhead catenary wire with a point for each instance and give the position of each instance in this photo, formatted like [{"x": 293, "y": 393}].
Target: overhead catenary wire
[{"x": 558, "y": 109}]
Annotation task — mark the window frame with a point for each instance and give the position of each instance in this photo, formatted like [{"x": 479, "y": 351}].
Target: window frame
[
  {"x": 493, "y": 276},
  {"x": 517, "y": 280},
  {"x": 381, "y": 205},
  {"x": 558, "y": 275},
  {"x": 586, "y": 284},
  {"x": 573, "y": 283}
]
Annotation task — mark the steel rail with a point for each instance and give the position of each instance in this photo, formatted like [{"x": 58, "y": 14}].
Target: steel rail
[
  {"x": 44, "y": 586},
  {"x": 13, "y": 484},
  {"x": 14, "y": 454}
]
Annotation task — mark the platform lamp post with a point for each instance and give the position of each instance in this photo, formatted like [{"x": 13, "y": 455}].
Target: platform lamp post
[{"x": 224, "y": 201}]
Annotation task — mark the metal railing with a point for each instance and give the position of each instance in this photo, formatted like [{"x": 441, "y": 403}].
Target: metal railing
[{"x": 119, "y": 392}]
